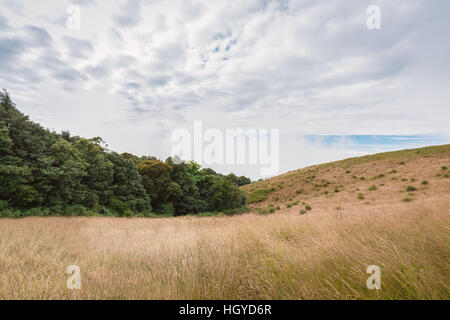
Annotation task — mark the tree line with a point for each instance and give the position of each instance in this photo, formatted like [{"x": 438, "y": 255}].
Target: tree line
[{"x": 48, "y": 173}]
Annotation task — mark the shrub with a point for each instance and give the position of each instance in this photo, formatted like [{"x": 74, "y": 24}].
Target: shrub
[
  {"x": 424, "y": 182},
  {"x": 372, "y": 188},
  {"x": 443, "y": 168},
  {"x": 118, "y": 206},
  {"x": 259, "y": 195},
  {"x": 308, "y": 207},
  {"x": 237, "y": 211},
  {"x": 407, "y": 200},
  {"x": 3, "y": 205},
  {"x": 263, "y": 211},
  {"x": 361, "y": 196},
  {"x": 166, "y": 209},
  {"x": 302, "y": 212},
  {"x": 288, "y": 205},
  {"x": 411, "y": 188},
  {"x": 336, "y": 190}
]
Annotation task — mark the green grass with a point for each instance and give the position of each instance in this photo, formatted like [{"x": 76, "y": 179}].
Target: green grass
[{"x": 259, "y": 195}]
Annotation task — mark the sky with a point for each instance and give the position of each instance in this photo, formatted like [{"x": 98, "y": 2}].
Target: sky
[{"x": 137, "y": 70}]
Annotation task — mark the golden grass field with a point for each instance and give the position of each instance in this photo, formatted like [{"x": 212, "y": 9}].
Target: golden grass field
[{"x": 322, "y": 254}]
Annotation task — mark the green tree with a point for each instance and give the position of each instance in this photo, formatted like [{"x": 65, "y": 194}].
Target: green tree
[
  {"x": 127, "y": 183},
  {"x": 156, "y": 179}
]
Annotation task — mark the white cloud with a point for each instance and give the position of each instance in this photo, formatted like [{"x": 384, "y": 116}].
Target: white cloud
[{"x": 139, "y": 69}]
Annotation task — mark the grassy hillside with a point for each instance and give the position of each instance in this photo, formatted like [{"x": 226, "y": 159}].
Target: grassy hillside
[
  {"x": 384, "y": 178},
  {"x": 334, "y": 220}
]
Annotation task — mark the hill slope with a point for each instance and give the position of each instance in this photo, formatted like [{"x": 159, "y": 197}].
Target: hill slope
[{"x": 385, "y": 179}]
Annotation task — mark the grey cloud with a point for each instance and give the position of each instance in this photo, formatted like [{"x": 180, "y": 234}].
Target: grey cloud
[
  {"x": 84, "y": 2},
  {"x": 15, "y": 5},
  {"x": 69, "y": 74},
  {"x": 4, "y": 25},
  {"x": 129, "y": 15},
  {"x": 98, "y": 72},
  {"x": 37, "y": 37},
  {"x": 78, "y": 48}
]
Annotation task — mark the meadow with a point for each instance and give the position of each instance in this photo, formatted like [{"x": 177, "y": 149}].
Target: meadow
[{"x": 285, "y": 253}]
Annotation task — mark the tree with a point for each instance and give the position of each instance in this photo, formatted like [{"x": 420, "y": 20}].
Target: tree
[
  {"x": 127, "y": 183},
  {"x": 156, "y": 179},
  {"x": 100, "y": 172},
  {"x": 221, "y": 193}
]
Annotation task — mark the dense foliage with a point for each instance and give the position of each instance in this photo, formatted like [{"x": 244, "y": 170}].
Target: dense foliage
[{"x": 43, "y": 172}]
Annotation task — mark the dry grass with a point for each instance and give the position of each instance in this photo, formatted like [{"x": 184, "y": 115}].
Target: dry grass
[{"x": 319, "y": 255}]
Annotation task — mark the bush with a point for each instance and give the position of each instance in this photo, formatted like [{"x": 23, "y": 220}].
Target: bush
[
  {"x": 308, "y": 207},
  {"x": 118, "y": 206},
  {"x": 411, "y": 188},
  {"x": 166, "y": 209},
  {"x": 361, "y": 196},
  {"x": 302, "y": 212},
  {"x": 372, "y": 188},
  {"x": 443, "y": 168},
  {"x": 10, "y": 213},
  {"x": 259, "y": 195},
  {"x": 407, "y": 200},
  {"x": 264, "y": 211},
  {"x": 3, "y": 205},
  {"x": 424, "y": 182},
  {"x": 235, "y": 211}
]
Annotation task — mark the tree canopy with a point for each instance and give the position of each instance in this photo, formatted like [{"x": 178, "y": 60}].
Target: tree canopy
[{"x": 64, "y": 174}]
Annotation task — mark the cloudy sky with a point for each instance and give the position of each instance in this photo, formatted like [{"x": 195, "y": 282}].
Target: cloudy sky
[{"x": 137, "y": 70}]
